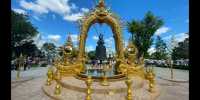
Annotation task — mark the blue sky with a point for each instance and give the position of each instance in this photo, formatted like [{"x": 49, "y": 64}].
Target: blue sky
[{"x": 55, "y": 18}]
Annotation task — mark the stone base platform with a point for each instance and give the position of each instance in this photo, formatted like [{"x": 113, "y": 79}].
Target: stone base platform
[{"x": 74, "y": 89}]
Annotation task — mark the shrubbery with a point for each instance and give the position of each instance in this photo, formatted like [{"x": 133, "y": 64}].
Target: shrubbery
[{"x": 44, "y": 65}]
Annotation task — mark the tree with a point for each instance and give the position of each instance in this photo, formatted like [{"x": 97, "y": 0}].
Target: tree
[
  {"x": 182, "y": 50},
  {"x": 142, "y": 32},
  {"x": 48, "y": 46},
  {"x": 28, "y": 49},
  {"x": 160, "y": 47},
  {"x": 22, "y": 31},
  {"x": 50, "y": 50},
  {"x": 91, "y": 55}
]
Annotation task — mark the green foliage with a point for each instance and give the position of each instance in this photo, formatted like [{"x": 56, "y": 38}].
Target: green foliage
[
  {"x": 48, "y": 46},
  {"x": 28, "y": 49},
  {"x": 50, "y": 49},
  {"x": 21, "y": 28},
  {"x": 181, "y": 51},
  {"x": 142, "y": 32},
  {"x": 161, "y": 52},
  {"x": 34, "y": 65},
  {"x": 91, "y": 55},
  {"x": 44, "y": 65}
]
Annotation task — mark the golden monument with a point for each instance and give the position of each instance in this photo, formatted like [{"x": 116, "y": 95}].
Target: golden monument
[{"x": 127, "y": 69}]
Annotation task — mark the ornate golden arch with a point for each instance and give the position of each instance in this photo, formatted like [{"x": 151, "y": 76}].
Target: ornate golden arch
[{"x": 101, "y": 15}]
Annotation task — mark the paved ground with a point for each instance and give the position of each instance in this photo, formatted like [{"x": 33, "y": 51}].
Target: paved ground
[{"x": 31, "y": 89}]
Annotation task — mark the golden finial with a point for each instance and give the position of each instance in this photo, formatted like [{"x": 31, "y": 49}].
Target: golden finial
[{"x": 101, "y": 3}]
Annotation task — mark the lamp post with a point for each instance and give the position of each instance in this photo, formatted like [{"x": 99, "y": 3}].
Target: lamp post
[
  {"x": 173, "y": 43},
  {"x": 171, "y": 66}
]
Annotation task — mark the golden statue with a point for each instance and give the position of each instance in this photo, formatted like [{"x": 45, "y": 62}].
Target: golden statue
[
  {"x": 125, "y": 67},
  {"x": 132, "y": 53}
]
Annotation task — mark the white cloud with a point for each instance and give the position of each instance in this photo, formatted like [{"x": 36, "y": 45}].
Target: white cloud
[
  {"x": 181, "y": 37},
  {"x": 151, "y": 50},
  {"x": 73, "y": 17},
  {"x": 95, "y": 37},
  {"x": 61, "y": 7},
  {"x": 109, "y": 41},
  {"x": 54, "y": 38},
  {"x": 33, "y": 6},
  {"x": 20, "y": 11},
  {"x": 39, "y": 40},
  {"x": 178, "y": 37},
  {"x": 57, "y": 6},
  {"x": 89, "y": 48},
  {"x": 73, "y": 6},
  {"x": 74, "y": 37},
  {"x": 36, "y": 18},
  {"x": 162, "y": 30},
  {"x": 85, "y": 10}
]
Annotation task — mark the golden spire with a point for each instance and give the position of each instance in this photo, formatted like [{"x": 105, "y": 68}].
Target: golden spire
[
  {"x": 69, "y": 43},
  {"x": 69, "y": 40},
  {"x": 101, "y": 3}
]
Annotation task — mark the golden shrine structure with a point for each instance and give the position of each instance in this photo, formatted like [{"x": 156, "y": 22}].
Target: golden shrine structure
[{"x": 65, "y": 75}]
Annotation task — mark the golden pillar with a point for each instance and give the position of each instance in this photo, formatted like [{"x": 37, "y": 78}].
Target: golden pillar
[
  {"x": 58, "y": 86},
  {"x": 104, "y": 78},
  {"x": 151, "y": 77},
  {"x": 129, "y": 85},
  {"x": 50, "y": 76},
  {"x": 89, "y": 91}
]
